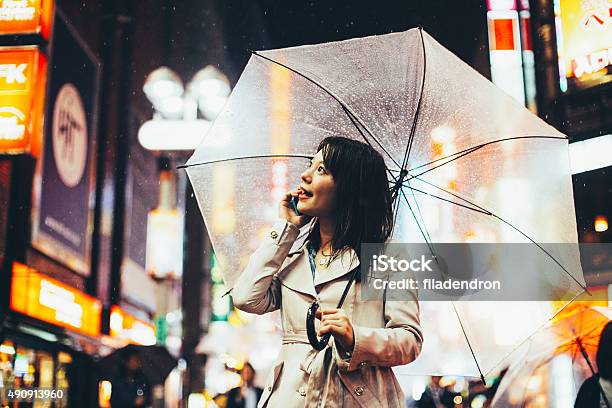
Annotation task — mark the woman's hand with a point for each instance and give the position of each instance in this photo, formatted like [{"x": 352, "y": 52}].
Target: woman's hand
[
  {"x": 336, "y": 322},
  {"x": 285, "y": 210}
]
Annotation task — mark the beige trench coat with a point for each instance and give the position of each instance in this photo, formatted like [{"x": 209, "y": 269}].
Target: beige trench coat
[{"x": 386, "y": 334}]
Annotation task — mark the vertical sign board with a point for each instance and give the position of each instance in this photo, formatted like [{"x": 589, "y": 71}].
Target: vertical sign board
[
  {"x": 505, "y": 47},
  {"x": 64, "y": 192}
]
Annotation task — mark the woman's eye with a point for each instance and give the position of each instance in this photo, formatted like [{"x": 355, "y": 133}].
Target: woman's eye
[{"x": 321, "y": 169}]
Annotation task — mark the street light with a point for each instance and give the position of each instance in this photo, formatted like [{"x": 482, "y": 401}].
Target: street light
[
  {"x": 164, "y": 89},
  {"x": 176, "y": 124},
  {"x": 211, "y": 88}
]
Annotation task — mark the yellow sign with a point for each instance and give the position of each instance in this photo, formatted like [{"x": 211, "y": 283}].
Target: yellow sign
[
  {"x": 25, "y": 16},
  {"x": 22, "y": 82},
  {"x": 585, "y": 46},
  {"x": 127, "y": 327},
  {"x": 47, "y": 299}
]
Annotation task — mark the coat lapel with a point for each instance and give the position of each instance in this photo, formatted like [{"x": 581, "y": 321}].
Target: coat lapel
[
  {"x": 295, "y": 273},
  {"x": 339, "y": 267}
]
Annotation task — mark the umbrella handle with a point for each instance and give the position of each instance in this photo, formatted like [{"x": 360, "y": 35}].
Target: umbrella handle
[{"x": 315, "y": 342}]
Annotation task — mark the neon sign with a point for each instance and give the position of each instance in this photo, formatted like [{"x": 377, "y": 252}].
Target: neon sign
[
  {"x": 22, "y": 81},
  {"x": 47, "y": 299},
  {"x": 25, "y": 16},
  {"x": 584, "y": 40}
]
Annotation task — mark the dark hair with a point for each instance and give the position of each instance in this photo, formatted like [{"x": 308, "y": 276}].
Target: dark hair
[
  {"x": 604, "y": 352},
  {"x": 363, "y": 208}
]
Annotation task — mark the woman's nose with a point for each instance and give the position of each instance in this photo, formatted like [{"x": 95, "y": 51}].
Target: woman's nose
[{"x": 306, "y": 176}]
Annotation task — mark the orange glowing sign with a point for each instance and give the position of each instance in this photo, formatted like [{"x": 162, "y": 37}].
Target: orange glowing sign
[
  {"x": 25, "y": 17},
  {"x": 585, "y": 40},
  {"x": 47, "y": 299},
  {"x": 127, "y": 327},
  {"x": 22, "y": 87}
]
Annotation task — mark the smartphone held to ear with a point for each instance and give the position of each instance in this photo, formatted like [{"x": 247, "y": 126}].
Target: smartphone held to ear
[{"x": 294, "y": 203}]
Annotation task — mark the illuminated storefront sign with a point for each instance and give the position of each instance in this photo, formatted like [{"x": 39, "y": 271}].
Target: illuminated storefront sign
[
  {"x": 164, "y": 243},
  {"x": 584, "y": 41},
  {"x": 127, "y": 327},
  {"x": 49, "y": 300},
  {"x": 25, "y": 17},
  {"x": 22, "y": 82}
]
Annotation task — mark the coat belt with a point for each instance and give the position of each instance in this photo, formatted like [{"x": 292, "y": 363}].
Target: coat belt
[
  {"x": 299, "y": 337},
  {"x": 322, "y": 369}
]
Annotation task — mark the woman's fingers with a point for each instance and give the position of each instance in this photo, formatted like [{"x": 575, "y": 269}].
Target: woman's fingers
[
  {"x": 336, "y": 322},
  {"x": 334, "y": 317},
  {"x": 333, "y": 328},
  {"x": 328, "y": 312}
]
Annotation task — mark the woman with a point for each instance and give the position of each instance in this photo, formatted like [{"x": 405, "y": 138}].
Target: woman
[{"x": 344, "y": 192}]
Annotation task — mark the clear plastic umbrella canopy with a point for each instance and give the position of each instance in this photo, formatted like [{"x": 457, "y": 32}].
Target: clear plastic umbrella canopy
[
  {"x": 553, "y": 358},
  {"x": 469, "y": 164}
]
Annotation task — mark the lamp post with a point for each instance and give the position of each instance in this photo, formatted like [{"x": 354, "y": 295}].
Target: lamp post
[{"x": 182, "y": 116}]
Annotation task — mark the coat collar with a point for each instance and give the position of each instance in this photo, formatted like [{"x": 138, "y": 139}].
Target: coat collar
[
  {"x": 342, "y": 265},
  {"x": 296, "y": 273}
]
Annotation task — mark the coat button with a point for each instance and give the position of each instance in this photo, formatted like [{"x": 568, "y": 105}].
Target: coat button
[
  {"x": 302, "y": 391},
  {"x": 359, "y": 391},
  {"x": 274, "y": 234},
  {"x": 269, "y": 388}
]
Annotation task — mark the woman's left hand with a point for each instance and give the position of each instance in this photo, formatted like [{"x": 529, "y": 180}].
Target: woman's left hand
[{"x": 336, "y": 322}]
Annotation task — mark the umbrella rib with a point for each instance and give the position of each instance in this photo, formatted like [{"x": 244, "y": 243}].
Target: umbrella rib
[
  {"x": 418, "y": 109},
  {"x": 429, "y": 245},
  {"x": 396, "y": 181},
  {"x": 469, "y": 343},
  {"x": 427, "y": 240},
  {"x": 449, "y": 201},
  {"x": 403, "y": 173},
  {"x": 541, "y": 327},
  {"x": 474, "y": 148},
  {"x": 543, "y": 250},
  {"x": 511, "y": 226},
  {"x": 337, "y": 98},
  {"x": 257, "y": 156},
  {"x": 416, "y": 202},
  {"x": 457, "y": 156},
  {"x": 353, "y": 121}
]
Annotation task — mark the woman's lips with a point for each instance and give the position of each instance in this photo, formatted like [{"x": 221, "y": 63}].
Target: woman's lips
[{"x": 303, "y": 196}]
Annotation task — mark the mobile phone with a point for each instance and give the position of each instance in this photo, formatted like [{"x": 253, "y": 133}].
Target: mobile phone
[{"x": 294, "y": 202}]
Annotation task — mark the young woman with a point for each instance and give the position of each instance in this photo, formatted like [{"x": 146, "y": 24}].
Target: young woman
[{"x": 345, "y": 195}]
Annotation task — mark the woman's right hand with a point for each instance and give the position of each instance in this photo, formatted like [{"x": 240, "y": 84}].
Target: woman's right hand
[{"x": 285, "y": 210}]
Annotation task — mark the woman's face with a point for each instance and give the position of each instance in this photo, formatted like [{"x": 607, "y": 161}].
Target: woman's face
[{"x": 318, "y": 193}]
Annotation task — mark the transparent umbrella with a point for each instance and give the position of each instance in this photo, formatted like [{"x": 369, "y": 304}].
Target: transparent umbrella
[
  {"x": 562, "y": 353},
  {"x": 465, "y": 161}
]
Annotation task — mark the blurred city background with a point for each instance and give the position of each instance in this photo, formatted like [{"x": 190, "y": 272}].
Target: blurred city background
[{"x": 103, "y": 248}]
